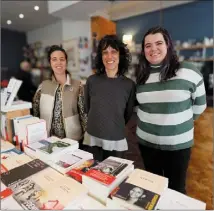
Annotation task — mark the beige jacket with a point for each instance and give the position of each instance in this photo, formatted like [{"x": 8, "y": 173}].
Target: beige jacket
[{"x": 70, "y": 111}]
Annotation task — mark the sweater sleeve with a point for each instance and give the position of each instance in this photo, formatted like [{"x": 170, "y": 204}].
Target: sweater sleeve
[
  {"x": 130, "y": 104},
  {"x": 36, "y": 102},
  {"x": 83, "y": 115},
  {"x": 86, "y": 97},
  {"x": 199, "y": 100}
]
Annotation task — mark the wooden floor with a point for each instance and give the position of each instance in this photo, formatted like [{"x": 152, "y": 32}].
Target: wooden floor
[{"x": 200, "y": 171}]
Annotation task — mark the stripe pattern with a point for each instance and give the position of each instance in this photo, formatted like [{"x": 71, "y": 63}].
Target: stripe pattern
[{"x": 167, "y": 110}]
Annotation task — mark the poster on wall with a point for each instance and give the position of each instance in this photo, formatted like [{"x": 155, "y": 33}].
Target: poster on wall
[
  {"x": 85, "y": 55},
  {"x": 72, "y": 49}
]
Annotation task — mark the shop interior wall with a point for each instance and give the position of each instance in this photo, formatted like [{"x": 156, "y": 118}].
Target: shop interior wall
[
  {"x": 12, "y": 43},
  {"x": 189, "y": 21}
]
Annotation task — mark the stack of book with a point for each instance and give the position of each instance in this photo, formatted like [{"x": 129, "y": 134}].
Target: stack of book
[
  {"x": 141, "y": 190},
  {"x": 80, "y": 170},
  {"x": 49, "y": 149},
  {"x": 106, "y": 176}
]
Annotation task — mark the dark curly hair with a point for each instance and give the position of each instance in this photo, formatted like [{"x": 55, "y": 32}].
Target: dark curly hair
[
  {"x": 117, "y": 44},
  {"x": 57, "y": 48},
  {"x": 170, "y": 63}
]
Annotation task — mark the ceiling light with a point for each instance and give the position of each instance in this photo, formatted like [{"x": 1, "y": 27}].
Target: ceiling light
[
  {"x": 9, "y": 22},
  {"x": 36, "y": 8},
  {"x": 127, "y": 38},
  {"x": 21, "y": 15}
]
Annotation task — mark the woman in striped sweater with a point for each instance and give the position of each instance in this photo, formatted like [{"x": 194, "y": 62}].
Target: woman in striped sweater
[{"x": 171, "y": 95}]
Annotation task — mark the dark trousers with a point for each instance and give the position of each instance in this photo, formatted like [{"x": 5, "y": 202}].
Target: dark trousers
[
  {"x": 171, "y": 164},
  {"x": 101, "y": 154}
]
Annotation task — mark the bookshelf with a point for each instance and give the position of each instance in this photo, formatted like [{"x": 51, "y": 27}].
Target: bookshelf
[{"x": 196, "y": 47}]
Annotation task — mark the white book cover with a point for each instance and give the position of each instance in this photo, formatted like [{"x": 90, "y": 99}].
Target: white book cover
[
  {"x": 173, "y": 200},
  {"x": 6, "y": 145},
  {"x": 86, "y": 203},
  {"x": 13, "y": 162},
  {"x": 12, "y": 90},
  {"x": 47, "y": 191},
  {"x": 3, "y": 125},
  {"x": 52, "y": 147},
  {"x": 21, "y": 127},
  {"x": 15, "y": 125},
  {"x": 149, "y": 181},
  {"x": 10, "y": 203},
  {"x": 69, "y": 160},
  {"x": 36, "y": 131},
  {"x": 17, "y": 105}
]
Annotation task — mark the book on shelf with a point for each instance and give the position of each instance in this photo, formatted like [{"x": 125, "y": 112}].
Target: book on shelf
[
  {"x": 178, "y": 201},
  {"x": 141, "y": 190},
  {"x": 107, "y": 175},
  {"x": 50, "y": 148}
]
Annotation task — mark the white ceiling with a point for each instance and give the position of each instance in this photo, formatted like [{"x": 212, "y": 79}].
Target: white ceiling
[
  {"x": 79, "y": 11},
  {"x": 32, "y": 19}
]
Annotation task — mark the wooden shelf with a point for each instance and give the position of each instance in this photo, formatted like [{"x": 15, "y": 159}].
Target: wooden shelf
[
  {"x": 200, "y": 60},
  {"x": 193, "y": 47}
]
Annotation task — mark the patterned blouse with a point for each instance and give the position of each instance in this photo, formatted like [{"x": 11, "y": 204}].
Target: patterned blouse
[{"x": 57, "y": 126}]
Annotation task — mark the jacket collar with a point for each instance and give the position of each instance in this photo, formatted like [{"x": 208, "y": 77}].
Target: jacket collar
[{"x": 68, "y": 79}]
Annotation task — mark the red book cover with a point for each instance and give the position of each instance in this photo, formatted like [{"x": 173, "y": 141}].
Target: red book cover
[
  {"x": 106, "y": 171},
  {"x": 76, "y": 173},
  {"x": 6, "y": 192},
  {"x": 106, "y": 179}
]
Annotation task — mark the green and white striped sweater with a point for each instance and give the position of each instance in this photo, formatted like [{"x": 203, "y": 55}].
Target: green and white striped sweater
[{"x": 167, "y": 110}]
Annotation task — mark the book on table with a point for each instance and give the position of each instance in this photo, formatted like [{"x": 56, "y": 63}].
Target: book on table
[
  {"x": 141, "y": 190},
  {"x": 178, "y": 201},
  {"x": 13, "y": 162},
  {"x": 77, "y": 172},
  {"x": 107, "y": 175},
  {"x": 50, "y": 148},
  {"x": 45, "y": 189},
  {"x": 69, "y": 160}
]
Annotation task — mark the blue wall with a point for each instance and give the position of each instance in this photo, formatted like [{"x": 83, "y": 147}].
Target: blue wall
[
  {"x": 189, "y": 21},
  {"x": 12, "y": 43}
]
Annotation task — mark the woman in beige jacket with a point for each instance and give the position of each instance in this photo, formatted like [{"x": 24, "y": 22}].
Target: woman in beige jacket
[{"x": 59, "y": 100}]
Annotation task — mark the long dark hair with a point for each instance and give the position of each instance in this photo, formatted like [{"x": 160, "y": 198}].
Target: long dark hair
[
  {"x": 57, "y": 48},
  {"x": 124, "y": 54},
  {"x": 170, "y": 63}
]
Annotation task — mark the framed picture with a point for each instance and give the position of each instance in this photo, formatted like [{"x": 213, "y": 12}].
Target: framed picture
[{"x": 71, "y": 47}]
